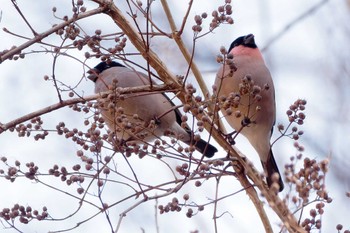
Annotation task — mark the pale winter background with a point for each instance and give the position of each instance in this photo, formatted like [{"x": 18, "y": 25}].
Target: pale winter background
[{"x": 306, "y": 47}]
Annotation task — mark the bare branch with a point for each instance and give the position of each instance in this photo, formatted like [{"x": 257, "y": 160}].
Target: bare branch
[
  {"x": 135, "y": 38},
  {"x": 184, "y": 21},
  {"x": 23, "y": 17},
  {"x": 64, "y": 103},
  {"x": 41, "y": 36}
]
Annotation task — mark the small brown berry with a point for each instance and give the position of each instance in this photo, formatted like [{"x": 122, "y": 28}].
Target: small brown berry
[{"x": 197, "y": 183}]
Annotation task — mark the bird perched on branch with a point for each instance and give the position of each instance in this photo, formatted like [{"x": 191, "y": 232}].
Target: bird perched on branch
[
  {"x": 144, "y": 116},
  {"x": 247, "y": 99}
]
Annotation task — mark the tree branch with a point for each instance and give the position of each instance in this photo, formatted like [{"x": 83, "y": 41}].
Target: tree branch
[
  {"x": 41, "y": 36},
  {"x": 274, "y": 201},
  {"x": 64, "y": 103}
]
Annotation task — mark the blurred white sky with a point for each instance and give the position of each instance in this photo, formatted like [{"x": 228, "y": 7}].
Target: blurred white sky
[{"x": 307, "y": 61}]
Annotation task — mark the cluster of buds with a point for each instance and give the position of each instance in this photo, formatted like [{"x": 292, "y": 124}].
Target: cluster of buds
[
  {"x": 91, "y": 140},
  {"x": 183, "y": 169},
  {"x": 226, "y": 58},
  {"x": 247, "y": 87},
  {"x": 196, "y": 105},
  {"x": 14, "y": 171},
  {"x": 11, "y": 171},
  {"x": 24, "y": 214},
  {"x": 34, "y": 125},
  {"x": 175, "y": 205},
  {"x": 72, "y": 32},
  {"x": 221, "y": 15},
  {"x": 77, "y": 8},
  {"x": 68, "y": 177},
  {"x": 295, "y": 116},
  {"x": 295, "y": 112},
  {"x": 199, "y": 20},
  {"x": 93, "y": 43},
  {"x": 171, "y": 206},
  {"x": 308, "y": 180},
  {"x": 76, "y": 135}
]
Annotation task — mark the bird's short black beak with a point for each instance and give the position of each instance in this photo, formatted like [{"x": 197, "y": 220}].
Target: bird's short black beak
[
  {"x": 249, "y": 39},
  {"x": 93, "y": 74}
]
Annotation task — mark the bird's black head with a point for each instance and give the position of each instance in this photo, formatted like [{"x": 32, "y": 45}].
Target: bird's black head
[
  {"x": 247, "y": 41},
  {"x": 102, "y": 66}
]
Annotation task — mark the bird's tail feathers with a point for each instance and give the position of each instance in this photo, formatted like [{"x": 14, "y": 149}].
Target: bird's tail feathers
[
  {"x": 205, "y": 148},
  {"x": 270, "y": 167}
]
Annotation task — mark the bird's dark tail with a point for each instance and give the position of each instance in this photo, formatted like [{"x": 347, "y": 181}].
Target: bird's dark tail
[
  {"x": 202, "y": 146},
  {"x": 205, "y": 148},
  {"x": 271, "y": 168}
]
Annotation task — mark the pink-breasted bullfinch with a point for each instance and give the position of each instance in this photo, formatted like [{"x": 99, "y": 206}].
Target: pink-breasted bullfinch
[
  {"x": 248, "y": 95},
  {"x": 141, "y": 117}
]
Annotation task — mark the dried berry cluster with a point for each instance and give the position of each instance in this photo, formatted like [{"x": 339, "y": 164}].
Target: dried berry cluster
[
  {"x": 226, "y": 58},
  {"x": 14, "y": 171},
  {"x": 222, "y": 15},
  {"x": 295, "y": 112},
  {"x": 66, "y": 176},
  {"x": 248, "y": 95},
  {"x": 309, "y": 178},
  {"x": 93, "y": 42},
  {"x": 295, "y": 116},
  {"x": 73, "y": 32},
  {"x": 24, "y": 214},
  {"x": 219, "y": 16},
  {"x": 77, "y": 7},
  {"x": 93, "y": 139},
  {"x": 308, "y": 181},
  {"x": 196, "y": 105},
  {"x": 174, "y": 205},
  {"x": 90, "y": 140},
  {"x": 35, "y": 125},
  {"x": 202, "y": 171},
  {"x": 76, "y": 176},
  {"x": 171, "y": 206}
]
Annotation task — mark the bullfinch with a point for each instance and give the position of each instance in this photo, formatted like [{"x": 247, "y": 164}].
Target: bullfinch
[
  {"x": 247, "y": 95},
  {"x": 141, "y": 117}
]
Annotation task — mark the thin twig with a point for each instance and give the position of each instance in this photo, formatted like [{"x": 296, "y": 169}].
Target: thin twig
[
  {"x": 160, "y": 32},
  {"x": 23, "y": 17},
  {"x": 184, "y": 21},
  {"x": 274, "y": 201},
  {"x": 188, "y": 56},
  {"x": 41, "y": 36},
  {"x": 64, "y": 103},
  {"x": 156, "y": 215},
  {"x": 216, "y": 204},
  {"x": 136, "y": 39},
  {"x": 55, "y": 57}
]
